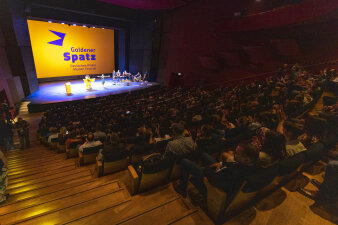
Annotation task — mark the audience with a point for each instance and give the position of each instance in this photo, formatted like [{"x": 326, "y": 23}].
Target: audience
[
  {"x": 180, "y": 145},
  {"x": 181, "y": 123},
  {"x": 226, "y": 175},
  {"x": 90, "y": 142}
]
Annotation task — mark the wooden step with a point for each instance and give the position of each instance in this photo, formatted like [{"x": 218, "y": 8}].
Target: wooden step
[
  {"x": 46, "y": 179},
  {"x": 13, "y": 180},
  {"x": 24, "y": 161},
  {"x": 140, "y": 204},
  {"x": 23, "y": 173},
  {"x": 192, "y": 217},
  {"x": 41, "y": 164},
  {"x": 160, "y": 215},
  {"x": 107, "y": 193},
  {"x": 62, "y": 194},
  {"x": 47, "y": 190},
  {"x": 54, "y": 182}
]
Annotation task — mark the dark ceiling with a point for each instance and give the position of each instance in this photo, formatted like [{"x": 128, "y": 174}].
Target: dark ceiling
[{"x": 148, "y": 4}]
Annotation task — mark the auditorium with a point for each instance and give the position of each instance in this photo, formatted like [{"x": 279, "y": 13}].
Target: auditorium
[{"x": 182, "y": 112}]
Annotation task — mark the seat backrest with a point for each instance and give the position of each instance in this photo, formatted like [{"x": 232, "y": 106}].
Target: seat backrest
[
  {"x": 74, "y": 144},
  {"x": 260, "y": 179},
  {"x": 54, "y": 140},
  {"x": 291, "y": 164},
  {"x": 315, "y": 151},
  {"x": 92, "y": 150}
]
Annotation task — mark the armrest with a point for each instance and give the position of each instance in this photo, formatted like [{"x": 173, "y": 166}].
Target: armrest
[
  {"x": 99, "y": 166},
  {"x": 134, "y": 179},
  {"x": 216, "y": 200}
]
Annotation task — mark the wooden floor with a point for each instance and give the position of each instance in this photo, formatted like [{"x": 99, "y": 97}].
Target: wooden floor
[{"x": 46, "y": 188}]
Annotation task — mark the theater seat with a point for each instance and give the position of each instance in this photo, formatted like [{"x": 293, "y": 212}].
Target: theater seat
[
  {"x": 71, "y": 151},
  {"x": 175, "y": 172},
  {"x": 53, "y": 143},
  {"x": 108, "y": 167},
  {"x": 263, "y": 181},
  {"x": 288, "y": 168},
  {"x": 149, "y": 176},
  {"x": 221, "y": 204},
  {"x": 88, "y": 155}
]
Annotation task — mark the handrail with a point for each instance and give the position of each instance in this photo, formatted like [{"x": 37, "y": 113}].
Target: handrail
[{"x": 288, "y": 15}]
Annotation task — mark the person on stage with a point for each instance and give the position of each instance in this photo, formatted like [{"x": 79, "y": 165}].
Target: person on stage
[
  {"x": 88, "y": 82},
  {"x": 102, "y": 79},
  {"x": 118, "y": 75},
  {"x": 138, "y": 77}
]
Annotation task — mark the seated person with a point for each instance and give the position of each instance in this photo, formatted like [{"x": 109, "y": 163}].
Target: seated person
[
  {"x": 98, "y": 134},
  {"x": 54, "y": 134},
  {"x": 72, "y": 138},
  {"x": 315, "y": 130},
  {"x": 113, "y": 150},
  {"x": 90, "y": 142},
  {"x": 180, "y": 145},
  {"x": 272, "y": 148},
  {"x": 291, "y": 132},
  {"x": 225, "y": 175}
]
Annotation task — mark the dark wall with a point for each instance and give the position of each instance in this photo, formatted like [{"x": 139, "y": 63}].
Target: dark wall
[{"x": 192, "y": 39}]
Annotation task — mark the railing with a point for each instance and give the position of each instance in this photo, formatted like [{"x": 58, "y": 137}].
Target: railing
[{"x": 306, "y": 10}]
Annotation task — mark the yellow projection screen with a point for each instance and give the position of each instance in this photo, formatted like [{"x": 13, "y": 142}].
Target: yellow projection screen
[{"x": 63, "y": 50}]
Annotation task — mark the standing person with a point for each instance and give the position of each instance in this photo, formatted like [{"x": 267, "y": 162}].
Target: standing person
[
  {"x": 6, "y": 134},
  {"x": 23, "y": 132},
  {"x": 3, "y": 177}
]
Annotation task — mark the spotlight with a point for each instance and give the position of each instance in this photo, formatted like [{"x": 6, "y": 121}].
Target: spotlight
[
  {"x": 84, "y": 25},
  {"x": 49, "y": 21},
  {"x": 93, "y": 27},
  {"x": 74, "y": 24},
  {"x": 102, "y": 27},
  {"x": 62, "y": 23}
]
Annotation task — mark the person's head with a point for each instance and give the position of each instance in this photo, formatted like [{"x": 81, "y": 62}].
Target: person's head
[
  {"x": 246, "y": 153},
  {"x": 20, "y": 119},
  {"x": 291, "y": 130},
  {"x": 90, "y": 137},
  {"x": 274, "y": 144},
  {"x": 63, "y": 130},
  {"x": 177, "y": 129},
  {"x": 114, "y": 138},
  {"x": 54, "y": 130}
]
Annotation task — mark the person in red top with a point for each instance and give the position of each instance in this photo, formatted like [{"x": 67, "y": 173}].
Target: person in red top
[{"x": 72, "y": 138}]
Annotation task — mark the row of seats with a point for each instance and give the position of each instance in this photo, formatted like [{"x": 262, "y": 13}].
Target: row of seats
[{"x": 221, "y": 204}]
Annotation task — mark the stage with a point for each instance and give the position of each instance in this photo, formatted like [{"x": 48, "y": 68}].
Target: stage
[{"x": 55, "y": 92}]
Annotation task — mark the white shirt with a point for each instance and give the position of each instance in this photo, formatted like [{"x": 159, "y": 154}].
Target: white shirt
[{"x": 89, "y": 144}]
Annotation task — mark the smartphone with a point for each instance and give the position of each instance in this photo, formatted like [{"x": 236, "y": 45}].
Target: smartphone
[
  {"x": 67, "y": 132},
  {"x": 128, "y": 112}
]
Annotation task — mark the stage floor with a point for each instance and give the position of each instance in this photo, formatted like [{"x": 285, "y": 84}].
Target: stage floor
[{"x": 55, "y": 92}]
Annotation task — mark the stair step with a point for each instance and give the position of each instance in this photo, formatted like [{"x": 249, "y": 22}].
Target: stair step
[
  {"x": 38, "y": 165},
  {"x": 62, "y": 194},
  {"x": 62, "y": 207},
  {"x": 13, "y": 180},
  {"x": 139, "y": 205},
  {"x": 37, "y": 171},
  {"x": 58, "y": 181},
  {"x": 163, "y": 214},
  {"x": 46, "y": 179},
  {"x": 46, "y": 190}
]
